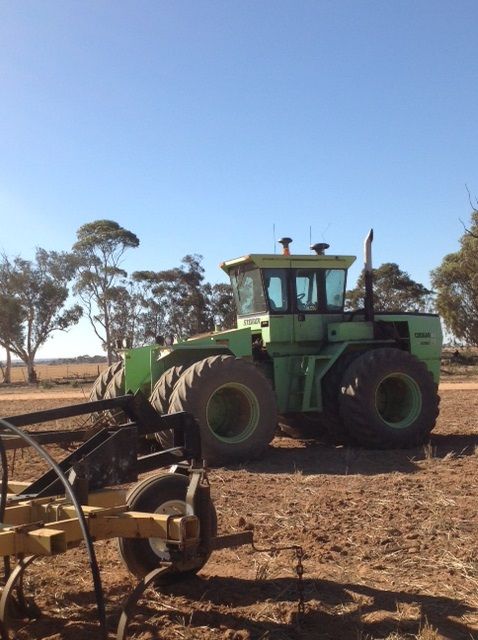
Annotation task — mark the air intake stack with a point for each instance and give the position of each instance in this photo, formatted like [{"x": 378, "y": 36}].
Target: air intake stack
[
  {"x": 319, "y": 248},
  {"x": 285, "y": 242}
]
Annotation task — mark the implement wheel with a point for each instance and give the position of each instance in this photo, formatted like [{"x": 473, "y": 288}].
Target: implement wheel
[
  {"x": 388, "y": 400},
  {"x": 234, "y": 405},
  {"x": 160, "y": 400},
  {"x": 161, "y": 493}
]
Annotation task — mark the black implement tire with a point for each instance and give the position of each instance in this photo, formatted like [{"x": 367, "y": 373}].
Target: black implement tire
[
  {"x": 388, "y": 400},
  {"x": 99, "y": 387},
  {"x": 160, "y": 400},
  {"x": 161, "y": 493},
  {"x": 234, "y": 405}
]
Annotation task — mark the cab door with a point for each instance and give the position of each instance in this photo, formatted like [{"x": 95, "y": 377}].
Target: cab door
[{"x": 307, "y": 299}]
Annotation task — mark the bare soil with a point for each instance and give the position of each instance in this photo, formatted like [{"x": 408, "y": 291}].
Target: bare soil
[{"x": 390, "y": 540}]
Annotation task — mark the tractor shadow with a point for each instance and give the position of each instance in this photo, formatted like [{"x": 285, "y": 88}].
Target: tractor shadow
[
  {"x": 238, "y": 608},
  {"x": 268, "y": 609},
  {"x": 286, "y": 455}
]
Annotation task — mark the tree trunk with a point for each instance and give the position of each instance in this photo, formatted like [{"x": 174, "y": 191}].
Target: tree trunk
[
  {"x": 7, "y": 373},
  {"x": 32, "y": 374},
  {"x": 109, "y": 349}
]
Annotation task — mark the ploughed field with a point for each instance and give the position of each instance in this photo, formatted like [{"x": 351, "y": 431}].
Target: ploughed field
[{"x": 390, "y": 541}]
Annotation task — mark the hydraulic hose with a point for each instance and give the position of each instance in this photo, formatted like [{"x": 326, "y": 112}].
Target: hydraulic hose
[
  {"x": 3, "y": 500},
  {"x": 100, "y": 600},
  {"x": 4, "y": 491}
]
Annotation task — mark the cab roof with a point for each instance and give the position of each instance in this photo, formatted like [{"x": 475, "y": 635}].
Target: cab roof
[{"x": 294, "y": 261}]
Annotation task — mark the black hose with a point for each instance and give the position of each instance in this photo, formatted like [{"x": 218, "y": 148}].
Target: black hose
[
  {"x": 100, "y": 600},
  {"x": 4, "y": 491},
  {"x": 3, "y": 501}
]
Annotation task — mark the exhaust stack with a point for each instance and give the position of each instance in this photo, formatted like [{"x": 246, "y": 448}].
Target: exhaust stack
[{"x": 368, "y": 276}]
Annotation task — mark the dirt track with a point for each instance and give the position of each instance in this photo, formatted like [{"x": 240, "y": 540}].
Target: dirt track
[{"x": 390, "y": 542}]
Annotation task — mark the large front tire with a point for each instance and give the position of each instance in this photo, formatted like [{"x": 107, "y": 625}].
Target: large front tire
[
  {"x": 388, "y": 400},
  {"x": 161, "y": 493},
  {"x": 234, "y": 405}
]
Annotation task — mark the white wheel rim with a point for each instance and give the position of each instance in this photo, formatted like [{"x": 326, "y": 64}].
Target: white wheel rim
[{"x": 170, "y": 508}]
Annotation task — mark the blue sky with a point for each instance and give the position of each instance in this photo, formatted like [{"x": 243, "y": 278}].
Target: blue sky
[{"x": 200, "y": 124}]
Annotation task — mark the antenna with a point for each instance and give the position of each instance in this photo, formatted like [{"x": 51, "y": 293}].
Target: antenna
[
  {"x": 274, "y": 235},
  {"x": 310, "y": 235}
]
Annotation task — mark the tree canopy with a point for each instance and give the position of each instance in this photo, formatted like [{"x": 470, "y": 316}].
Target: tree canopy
[
  {"x": 179, "y": 302},
  {"x": 32, "y": 299},
  {"x": 393, "y": 290},
  {"x": 99, "y": 249},
  {"x": 456, "y": 285}
]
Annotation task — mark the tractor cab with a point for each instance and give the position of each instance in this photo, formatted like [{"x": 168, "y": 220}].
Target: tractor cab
[{"x": 289, "y": 298}]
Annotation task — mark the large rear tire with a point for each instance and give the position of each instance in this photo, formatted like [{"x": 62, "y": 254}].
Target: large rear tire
[
  {"x": 160, "y": 400},
  {"x": 99, "y": 387},
  {"x": 161, "y": 493},
  {"x": 116, "y": 388},
  {"x": 388, "y": 400},
  {"x": 234, "y": 405},
  {"x": 331, "y": 392}
]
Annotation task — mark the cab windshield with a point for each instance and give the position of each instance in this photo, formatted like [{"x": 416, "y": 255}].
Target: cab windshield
[
  {"x": 259, "y": 291},
  {"x": 249, "y": 296},
  {"x": 320, "y": 290}
]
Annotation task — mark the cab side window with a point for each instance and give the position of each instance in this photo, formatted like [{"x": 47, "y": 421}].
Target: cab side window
[
  {"x": 276, "y": 288},
  {"x": 306, "y": 290},
  {"x": 335, "y": 289}
]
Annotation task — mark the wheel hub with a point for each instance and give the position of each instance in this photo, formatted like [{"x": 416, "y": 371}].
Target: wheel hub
[
  {"x": 232, "y": 413},
  {"x": 398, "y": 400}
]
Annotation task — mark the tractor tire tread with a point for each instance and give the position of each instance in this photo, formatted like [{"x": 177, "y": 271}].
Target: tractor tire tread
[
  {"x": 188, "y": 395},
  {"x": 358, "y": 387}
]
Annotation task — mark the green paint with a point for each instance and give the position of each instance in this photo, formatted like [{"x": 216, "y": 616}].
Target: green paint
[{"x": 292, "y": 324}]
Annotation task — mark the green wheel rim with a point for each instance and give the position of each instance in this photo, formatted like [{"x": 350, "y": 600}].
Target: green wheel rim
[
  {"x": 232, "y": 413},
  {"x": 398, "y": 400}
]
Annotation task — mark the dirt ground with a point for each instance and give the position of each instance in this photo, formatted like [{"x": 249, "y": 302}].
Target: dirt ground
[{"x": 390, "y": 540}]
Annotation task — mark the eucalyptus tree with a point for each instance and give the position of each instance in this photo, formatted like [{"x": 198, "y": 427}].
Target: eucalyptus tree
[
  {"x": 456, "y": 285},
  {"x": 99, "y": 251},
  {"x": 221, "y": 305},
  {"x": 393, "y": 290},
  {"x": 176, "y": 301},
  {"x": 32, "y": 306}
]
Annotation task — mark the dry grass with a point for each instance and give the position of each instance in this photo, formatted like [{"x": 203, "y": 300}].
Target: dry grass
[
  {"x": 52, "y": 372},
  {"x": 459, "y": 364}
]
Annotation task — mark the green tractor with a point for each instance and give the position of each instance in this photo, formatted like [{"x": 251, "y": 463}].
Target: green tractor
[{"x": 296, "y": 360}]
